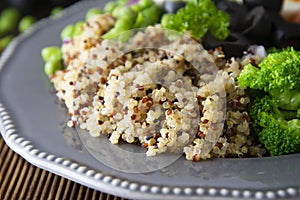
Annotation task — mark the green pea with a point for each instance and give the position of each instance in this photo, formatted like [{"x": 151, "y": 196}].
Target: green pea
[
  {"x": 51, "y": 53},
  {"x": 51, "y": 67},
  {"x": 67, "y": 32},
  {"x": 25, "y": 23},
  {"x": 78, "y": 28},
  {"x": 9, "y": 20},
  {"x": 92, "y": 12},
  {"x": 5, "y": 41},
  {"x": 110, "y": 6}
]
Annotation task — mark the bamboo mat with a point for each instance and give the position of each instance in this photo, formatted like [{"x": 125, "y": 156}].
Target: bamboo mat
[{"x": 21, "y": 180}]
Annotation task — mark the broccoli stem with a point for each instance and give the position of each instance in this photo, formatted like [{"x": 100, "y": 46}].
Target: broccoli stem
[
  {"x": 286, "y": 115},
  {"x": 287, "y": 99}
]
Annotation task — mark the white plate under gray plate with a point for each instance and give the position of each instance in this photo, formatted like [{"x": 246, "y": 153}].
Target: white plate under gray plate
[{"x": 33, "y": 123}]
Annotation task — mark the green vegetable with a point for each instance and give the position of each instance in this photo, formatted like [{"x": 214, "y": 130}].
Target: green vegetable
[
  {"x": 280, "y": 70},
  {"x": 5, "y": 41},
  {"x": 198, "y": 17},
  {"x": 25, "y": 23},
  {"x": 53, "y": 59},
  {"x": 276, "y": 113},
  {"x": 110, "y": 6},
  {"x": 121, "y": 25},
  {"x": 279, "y": 136},
  {"x": 67, "y": 32},
  {"x": 56, "y": 11},
  {"x": 145, "y": 3},
  {"x": 138, "y": 15},
  {"x": 92, "y": 12},
  {"x": 125, "y": 12},
  {"x": 78, "y": 28},
  {"x": 51, "y": 53},
  {"x": 52, "y": 66},
  {"x": 148, "y": 16},
  {"x": 9, "y": 20}
]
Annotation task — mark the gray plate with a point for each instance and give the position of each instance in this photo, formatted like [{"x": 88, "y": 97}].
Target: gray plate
[{"x": 32, "y": 122}]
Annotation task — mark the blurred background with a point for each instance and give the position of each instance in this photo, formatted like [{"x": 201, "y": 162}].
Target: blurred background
[
  {"x": 252, "y": 21},
  {"x": 18, "y": 15}
]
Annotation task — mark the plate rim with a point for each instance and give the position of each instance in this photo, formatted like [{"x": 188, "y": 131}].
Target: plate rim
[{"x": 97, "y": 179}]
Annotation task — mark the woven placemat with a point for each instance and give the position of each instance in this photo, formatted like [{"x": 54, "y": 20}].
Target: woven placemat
[{"x": 21, "y": 180}]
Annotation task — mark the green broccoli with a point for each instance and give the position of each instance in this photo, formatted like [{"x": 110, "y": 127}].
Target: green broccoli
[
  {"x": 280, "y": 70},
  {"x": 198, "y": 17},
  {"x": 276, "y": 129},
  {"x": 276, "y": 114}
]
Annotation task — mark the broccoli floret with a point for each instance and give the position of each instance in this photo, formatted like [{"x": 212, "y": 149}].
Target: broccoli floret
[
  {"x": 198, "y": 17},
  {"x": 279, "y": 135},
  {"x": 279, "y": 70},
  {"x": 275, "y": 113}
]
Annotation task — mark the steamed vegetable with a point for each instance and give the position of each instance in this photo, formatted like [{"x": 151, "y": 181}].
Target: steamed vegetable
[
  {"x": 278, "y": 134},
  {"x": 9, "y": 19},
  {"x": 52, "y": 56},
  {"x": 132, "y": 14},
  {"x": 276, "y": 115},
  {"x": 25, "y": 23},
  {"x": 198, "y": 17}
]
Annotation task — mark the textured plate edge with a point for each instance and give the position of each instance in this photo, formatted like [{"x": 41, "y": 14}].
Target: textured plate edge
[{"x": 98, "y": 180}]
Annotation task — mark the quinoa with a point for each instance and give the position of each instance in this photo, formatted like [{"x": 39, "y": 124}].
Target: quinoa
[{"x": 164, "y": 95}]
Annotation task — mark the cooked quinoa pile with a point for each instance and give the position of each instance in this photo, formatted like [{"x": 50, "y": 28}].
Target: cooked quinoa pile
[{"x": 164, "y": 95}]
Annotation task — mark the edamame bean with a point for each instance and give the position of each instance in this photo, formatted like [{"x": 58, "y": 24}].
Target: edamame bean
[
  {"x": 67, "y": 32},
  {"x": 122, "y": 2},
  {"x": 78, "y": 28},
  {"x": 110, "y": 6},
  {"x": 139, "y": 20},
  {"x": 116, "y": 11},
  {"x": 145, "y": 3},
  {"x": 25, "y": 23},
  {"x": 56, "y": 11},
  {"x": 92, "y": 12},
  {"x": 148, "y": 16},
  {"x": 9, "y": 20},
  {"x": 152, "y": 14},
  {"x": 52, "y": 66},
  {"x": 5, "y": 41},
  {"x": 122, "y": 24},
  {"x": 51, "y": 53},
  {"x": 128, "y": 13}
]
